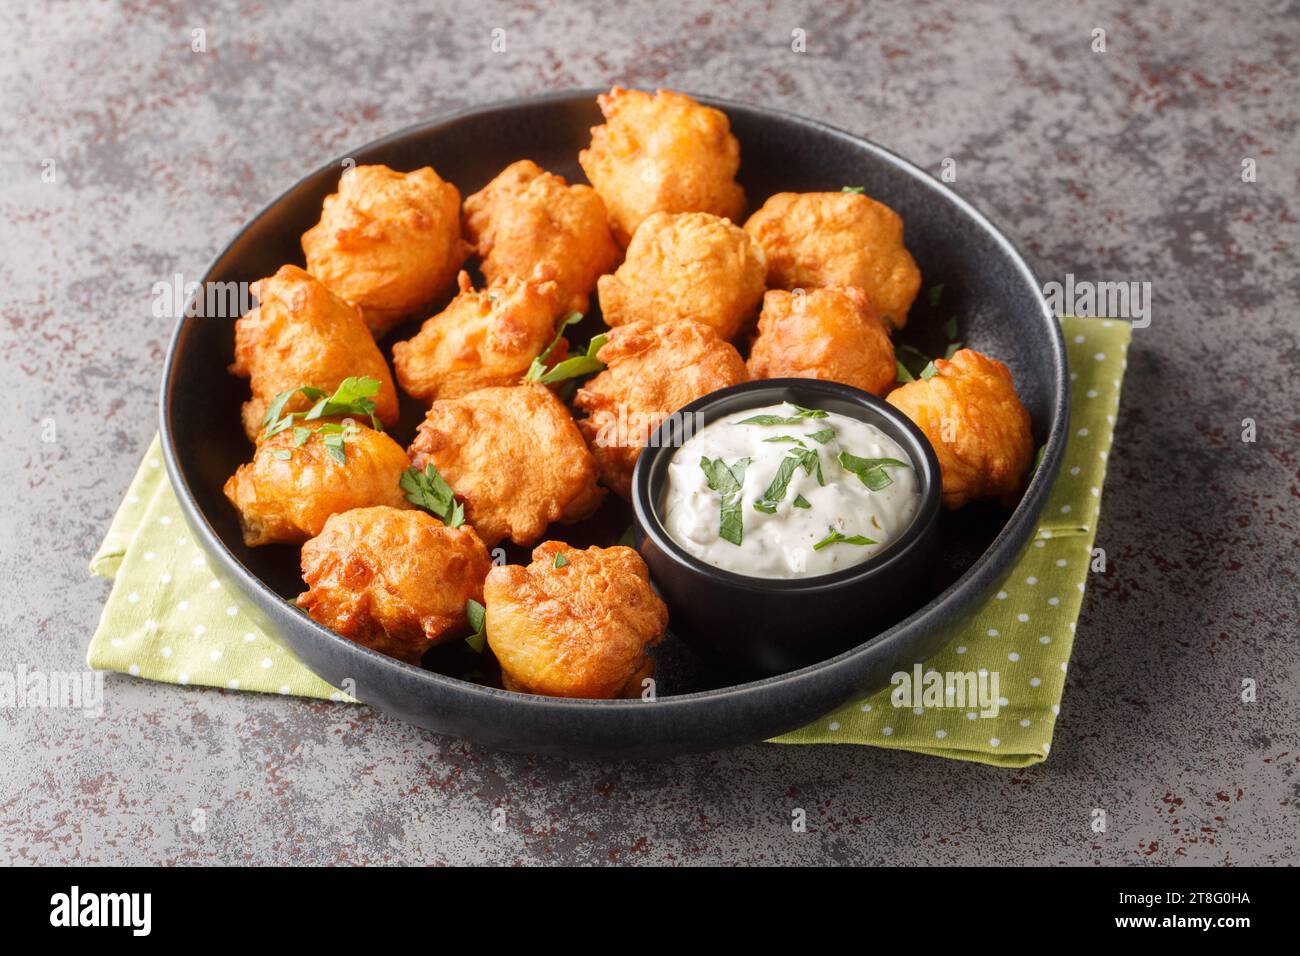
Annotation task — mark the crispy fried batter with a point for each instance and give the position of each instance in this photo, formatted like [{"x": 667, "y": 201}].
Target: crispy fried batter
[
  {"x": 845, "y": 239},
  {"x": 830, "y": 333},
  {"x": 661, "y": 153},
  {"x": 979, "y": 429},
  {"x": 388, "y": 242},
  {"x": 579, "y": 630},
  {"x": 531, "y": 223},
  {"x": 686, "y": 266},
  {"x": 481, "y": 339},
  {"x": 301, "y": 333},
  {"x": 392, "y": 580},
  {"x": 650, "y": 372},
  {"x": 516, "y": 458},
  {"x": 287, "y": 499}
]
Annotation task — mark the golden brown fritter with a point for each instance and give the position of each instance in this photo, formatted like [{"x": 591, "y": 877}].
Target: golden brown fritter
[
  {"x": 831, "y": 333},
  {"x": 650, "y": 372},
  {"x": 301, "y": 333},
  {"x": 393, "y": 580},
  {"x": 686, "y": 266},
  {"x": 661, "y": 153},
  {"x": 970, "y": 412},
  {"x": 481, "y": 339},
  {"x": 287, "y": 491},
  {"x": 388, "y": 242},
  {"x": 579, "y": 630},
  {"x": 514, "y": 456},
  {"x": 530, "y": 223},
  {"x": 845, "y": 239}
]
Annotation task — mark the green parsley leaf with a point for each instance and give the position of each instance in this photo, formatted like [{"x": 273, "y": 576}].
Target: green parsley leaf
[
  {"x": 871, "y": 471},
  {"x": 801, "y": 502},
  {"x": 428, "y": 490},
  {"x": 578, "y": 365},
  {"x": 902, "y": 375},
  {"x": 789, "y": 439},
  {"x": 951, "y": 350},
  {"x": 929, "y": 372},
  {"x": 728, "y": 481},
  {"x": 354, "y": 396},
  {"x": 300, "y": 436},
  {"x": 560, "y": 561},
  {"x": 477, "y": 615},
  {"x": 282, "y": 454},
  {"x": 950, "y": 328},
  {"x": 836, "y": 537},
  {"x": 776, "y": 490},
  {"x": 936, "y": 295},
  {"x": 801, "y": 413},
  {"x": 823, "y": 436},
  {"x": 538, "y": 367},
  {"x": 1038, "y": 460},
  {"x": 854, "y": 189}
]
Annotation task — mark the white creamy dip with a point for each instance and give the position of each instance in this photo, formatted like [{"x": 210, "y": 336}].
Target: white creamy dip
[{"x": 779, "y": 539}]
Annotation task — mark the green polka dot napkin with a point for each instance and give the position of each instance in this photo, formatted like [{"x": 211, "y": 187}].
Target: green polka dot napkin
[
  {"x": 169, "y": 619},
  {"x": 1024, "y": 635}
]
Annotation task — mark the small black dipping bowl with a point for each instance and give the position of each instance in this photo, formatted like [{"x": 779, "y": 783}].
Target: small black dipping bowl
[{"x": 773, "y": 625}]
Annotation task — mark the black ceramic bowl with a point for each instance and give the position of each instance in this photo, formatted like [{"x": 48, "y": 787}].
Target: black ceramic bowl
[
  {"x": 773, "y": 626},
  {"x": 986, "y": 285}
]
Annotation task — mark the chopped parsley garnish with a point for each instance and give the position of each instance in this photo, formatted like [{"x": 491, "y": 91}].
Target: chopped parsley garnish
[
  {"x": 354, "y": 396},
  {"x": 560, "y": 561},
  {"x": 951, "y": 350},
  {"x": 283, "y": 454},
  {"x": 823, "y": 436},
  {"x": 477, "y": 615},
  {"x": 728, "y": 481},
  {"x": 801, "y": 413},
  {"x": 902, "y": 375},
  {"x": 836, "y": 537},
  {"x": 430, "y": 491},
  {"x": 871, "y": 470},
  {"x": 789, "y": 439},
  {"x": 1038, "y": 460},
  {"x": 950, "y": 328},
  {"x": 572, "y": 367},
  {"x": 854, "y": 189},
  {"x": 332, "y": 437},
  {"x": 936, "y": 295},
  {"x": 775, "y": 492},
  {"x": 929, "y": 372},
  {"x": 801, "y": 502}
]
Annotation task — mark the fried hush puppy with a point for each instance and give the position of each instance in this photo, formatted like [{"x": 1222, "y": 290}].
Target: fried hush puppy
[
  {"x": 288, "y": 490},
  {"x": 844, "y": 239},
  {"x": 832, "y": 334},
  {"x": 577, "y": 630},
  {"x": 661, "y": 153},
  {"x": 980, "y": 432},
  {"x": 387, "y": 242},
  {"x": 686, "y": 266},
  {"x": 528, "y": 220},
  {"x": 481, "y": 339},
  {"x": 393, "y": 580},
  {"x": 515, "y": 457},
  {"x": 650, "y": 372},
  {"x": 299, "y": 334}
]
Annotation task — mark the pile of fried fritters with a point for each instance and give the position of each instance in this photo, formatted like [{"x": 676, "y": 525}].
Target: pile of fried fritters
[{"x": 395, "y": 542}]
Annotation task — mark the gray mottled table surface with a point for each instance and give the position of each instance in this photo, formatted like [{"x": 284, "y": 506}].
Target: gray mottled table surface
[{"x": 1118, "y": 165}]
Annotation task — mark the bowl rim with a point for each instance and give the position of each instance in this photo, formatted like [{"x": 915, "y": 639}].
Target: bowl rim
[
  {"x": 645, "y": 508},
  {"x": 1014, "y": 535}
]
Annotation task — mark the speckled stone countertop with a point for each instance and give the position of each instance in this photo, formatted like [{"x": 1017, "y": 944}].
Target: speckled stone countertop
[{"x": 1123, "y": 165}]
